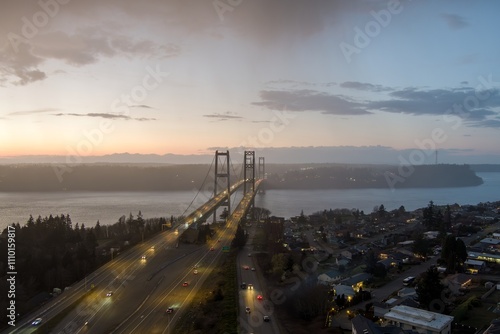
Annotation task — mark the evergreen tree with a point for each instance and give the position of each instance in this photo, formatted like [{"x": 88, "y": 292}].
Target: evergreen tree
[{"x": 429, "y": 288}]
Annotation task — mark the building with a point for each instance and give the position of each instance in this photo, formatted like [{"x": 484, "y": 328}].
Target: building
[
  {"x": 474, "y": 266},
  {"x": 329, "y": 277},
  {"x": 421, "y": 321},
  {"x": 362, "y": 325},
  {"x": 356, "y": 281}
]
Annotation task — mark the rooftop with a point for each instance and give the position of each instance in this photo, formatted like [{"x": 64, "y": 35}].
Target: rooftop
[{"x": 417, "y": 317}]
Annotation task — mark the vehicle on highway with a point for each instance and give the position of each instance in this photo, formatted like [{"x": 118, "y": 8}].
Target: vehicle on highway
[
  {"x": 195, "y": 272},
  {"x": 170, "y": 310},
  {"x": 250, "y": 286},
  {"x": 259, "y": 297},
  {"x": 218, "y": 240},
  {"x": 249, "y": 254},
  {"x": 36, "y": 322},
  {"x": 253, "y": 269},
  {"x": 247, "y": 309},
  {"x": 246, "y": 267},
  {"x": 243, "y": 285},
  {"x": 211, "y": 248},
  {"x": 109, "y": 294},
  {"x": 266, "y": 318},
  {"x": 144, "y": 257},
  {"x": 185, "y": 284}
]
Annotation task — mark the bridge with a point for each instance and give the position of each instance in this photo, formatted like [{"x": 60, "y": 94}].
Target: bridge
[
  {"x": 155, "y": 275},
  {"x": 222, "y": 179}
]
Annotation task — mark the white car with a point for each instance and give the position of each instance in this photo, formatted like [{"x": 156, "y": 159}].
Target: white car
[
  {"x": 109, "y": 294},
  {"x": 37, "y": 321}
]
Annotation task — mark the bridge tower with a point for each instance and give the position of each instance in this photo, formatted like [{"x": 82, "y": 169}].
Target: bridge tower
[
  {"x": 249, "y": 176},
  {"x": 222, "y": 172},
  {"x": 249, "y": 171},
  {"x": 262, "y": 168}
]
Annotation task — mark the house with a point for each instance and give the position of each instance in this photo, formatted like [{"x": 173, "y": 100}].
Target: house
[
  {"x": 474, "y": 266},
  {"x": 387, "y": 263},
  {"x": 362, "y": 325},
  {"x": 458, "y": 281},
  {"x": 345, "y": 290},
  {"x": 407, "y": 292},
  {"x": 381, "y": 308},
  {"x": 421, "y": 321},
  {"x": 356, "y": 281},
  {"x": 329, "y": 277},
  {"x": 494, "y": 327}
]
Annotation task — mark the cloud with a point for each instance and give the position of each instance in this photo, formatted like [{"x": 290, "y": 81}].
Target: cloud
[
  {"x": 31, "y": 112},
  {"x": 141, "y": 106},
  {"x": 223, "y": 117},
  {"x": 310, "y": 100},
  {"x": 22, "y": 64},
  {"x": 106, "y": 115},
  {"x": 364, "y": 86},
  {"x": 460, "y": 102},
  {"x": 454, "y": 21}
]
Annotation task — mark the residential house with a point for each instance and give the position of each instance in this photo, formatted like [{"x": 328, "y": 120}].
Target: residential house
[
  {"x": 356, "y": 281},
  {"x": 329, "y": 277},
  {"x": 421, "y": 321}
]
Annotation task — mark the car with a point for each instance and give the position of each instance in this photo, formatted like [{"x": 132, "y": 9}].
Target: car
[
  {"x": 195, "y": 272},
  {"x": 109, "y": 293},
  {"x": 259, "y": 297},
  {"x": 243, "y": 285},
  {"x": 253, "y": 269},
  {"x": 212, "y": 249},
  {"x": 169, "y": 310},
  {"x": 266, "y": 318},
  {"x": 144, "y": 257},
  {"x": 246, "y": 267},
  {"x": 185, "y": 284},
  {"x": 249, "y": 254},
  {"x": 218, "y": 240},
  {"x": 250, "y": 286},
  {"x": 247, "y": 309},
  {"x": 37, "y": 321}
]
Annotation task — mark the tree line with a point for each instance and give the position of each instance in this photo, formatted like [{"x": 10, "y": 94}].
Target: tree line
[{"x": 52, "y": 252}]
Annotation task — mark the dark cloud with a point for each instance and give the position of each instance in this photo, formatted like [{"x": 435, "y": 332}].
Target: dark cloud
[
  {"x": 223, "y": 117},
  {"x": 364, "y": 86},
  {"x": 106, "y": 115},
  {"x": 460, "y": 102},
  {"x": 21, "y": 61},
  {"x": 310, "y": 100},
  {"x": 31, "y": 112},
  {"x": 141, "y": 106},
  {"x": 454, "y": 21},
  {"x": 476, "y": 108}
]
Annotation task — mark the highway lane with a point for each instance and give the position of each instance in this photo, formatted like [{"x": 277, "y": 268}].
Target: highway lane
[
  {"x": 110, "y": 275},
  {"x": 99, "y": 310},
  {"x": 253, "y": 322}
]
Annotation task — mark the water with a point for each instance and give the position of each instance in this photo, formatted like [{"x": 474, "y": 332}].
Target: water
[{"x": 108, "y": 207}]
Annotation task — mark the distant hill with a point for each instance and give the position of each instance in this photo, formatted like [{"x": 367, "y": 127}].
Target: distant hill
[
  {"x": 151, "y": 177},
  {"x": 375, "y": 176},
  {"x": 486, "y": 168}
]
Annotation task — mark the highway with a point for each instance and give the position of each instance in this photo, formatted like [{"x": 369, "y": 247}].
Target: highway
[
  {"x": 253, "y": 322},
  {"x": 144, "y": 282}
]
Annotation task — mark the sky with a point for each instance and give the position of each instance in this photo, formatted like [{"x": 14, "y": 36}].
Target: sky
[{"x": 349, "y": 78}]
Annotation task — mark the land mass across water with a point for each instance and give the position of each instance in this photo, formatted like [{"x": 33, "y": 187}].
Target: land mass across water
[{"x": 161, "y": 177}]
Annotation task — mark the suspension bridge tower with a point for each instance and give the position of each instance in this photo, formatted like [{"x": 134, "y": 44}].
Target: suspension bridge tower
[{"x": 222, "y": 172}]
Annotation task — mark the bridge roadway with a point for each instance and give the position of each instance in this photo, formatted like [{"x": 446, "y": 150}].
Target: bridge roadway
[{"x": 142, "y": 289}]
